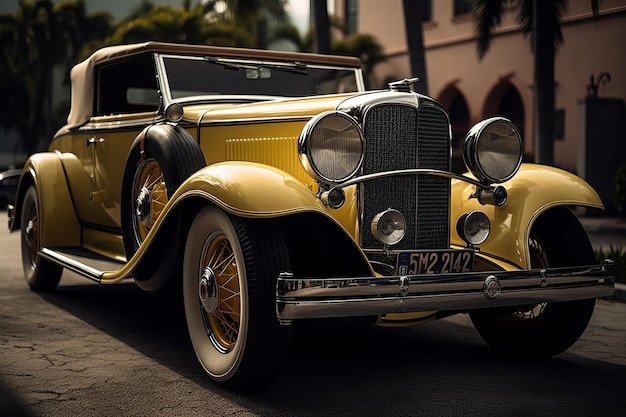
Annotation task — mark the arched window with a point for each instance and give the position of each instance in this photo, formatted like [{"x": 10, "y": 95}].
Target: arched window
[
  {"x": 505, "y": 100},
  {"x": 459, "y": 113}
]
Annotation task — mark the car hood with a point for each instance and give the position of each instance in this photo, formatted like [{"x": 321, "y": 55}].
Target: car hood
[{"x": 263, "y": 110}]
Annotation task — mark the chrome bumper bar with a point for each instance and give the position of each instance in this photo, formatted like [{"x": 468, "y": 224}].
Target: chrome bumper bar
[{"x": 301, "y": 298}]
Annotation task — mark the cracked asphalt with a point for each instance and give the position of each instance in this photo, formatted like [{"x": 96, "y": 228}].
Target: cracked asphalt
[{"x": 90, "y": 350}]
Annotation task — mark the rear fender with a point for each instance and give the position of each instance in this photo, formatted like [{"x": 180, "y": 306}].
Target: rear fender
[
  {"x": 58, "y": 223},
  {"x": 532, "y": 191}
]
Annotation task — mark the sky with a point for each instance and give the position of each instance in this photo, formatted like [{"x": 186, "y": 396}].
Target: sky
[{"x": 298, "y": 9}]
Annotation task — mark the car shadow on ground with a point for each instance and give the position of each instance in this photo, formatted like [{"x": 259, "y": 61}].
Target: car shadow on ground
[{"x": 340, "y": 366}]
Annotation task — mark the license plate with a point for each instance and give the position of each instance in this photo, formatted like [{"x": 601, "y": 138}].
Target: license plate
[{"x": 435, "y": 262}]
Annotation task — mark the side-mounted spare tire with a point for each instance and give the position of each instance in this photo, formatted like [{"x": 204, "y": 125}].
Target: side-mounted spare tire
[{"x": 160, "y": 159}]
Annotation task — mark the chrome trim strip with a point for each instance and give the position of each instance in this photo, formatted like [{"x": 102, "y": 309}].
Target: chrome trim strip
[
  {"x": 300, "y": 298},
  {"x": 115, "y": 123},
  {"x": 71, "y": 264},
  {"x": 252, "y": 120}
]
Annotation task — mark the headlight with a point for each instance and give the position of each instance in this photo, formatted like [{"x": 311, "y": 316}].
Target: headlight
[
  {"x": 492, "y": 150},
  {"x": 331, "y": 147}
]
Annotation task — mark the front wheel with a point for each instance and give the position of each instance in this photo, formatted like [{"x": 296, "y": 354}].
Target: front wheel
[
  {"x": 556, "y": 239},
  {"x": 41, "y": 274},
  {"x": 229, "y": 281}
]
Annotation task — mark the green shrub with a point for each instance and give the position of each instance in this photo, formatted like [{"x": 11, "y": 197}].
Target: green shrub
[
  {"x": 618, "y": 254},
  {"x": 619, "y": 189}
]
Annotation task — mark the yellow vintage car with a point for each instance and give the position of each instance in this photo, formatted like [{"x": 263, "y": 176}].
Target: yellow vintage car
[{"x": 270, "y": 187}]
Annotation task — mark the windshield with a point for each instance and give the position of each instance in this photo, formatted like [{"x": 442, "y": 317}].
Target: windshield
[{"x": 210, "y": 76}]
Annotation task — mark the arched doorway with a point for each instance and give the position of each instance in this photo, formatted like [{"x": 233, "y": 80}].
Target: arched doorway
[
  {"x": 505, "y": 100},
  {"x": 459, "y": 113}
]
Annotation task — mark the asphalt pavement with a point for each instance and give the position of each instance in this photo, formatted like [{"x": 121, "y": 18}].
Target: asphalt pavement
[{"x": 112, "y": 350}]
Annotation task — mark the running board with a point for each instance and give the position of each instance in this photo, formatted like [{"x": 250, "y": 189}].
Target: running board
[{"x": 81, "y": 261}]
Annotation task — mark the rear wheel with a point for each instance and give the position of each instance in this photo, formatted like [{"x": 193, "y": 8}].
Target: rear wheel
[
  {"x": 41, "y": 274},
  {"x": 229, "y": 281},
  {"x": 547, "y": 329}
]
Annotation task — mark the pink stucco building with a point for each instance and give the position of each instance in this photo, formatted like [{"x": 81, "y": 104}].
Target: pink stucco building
[{"x": 502, "y": 83}]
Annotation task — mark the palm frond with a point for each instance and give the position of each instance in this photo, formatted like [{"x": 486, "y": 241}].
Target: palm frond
[{"x": 487, "y": 16}]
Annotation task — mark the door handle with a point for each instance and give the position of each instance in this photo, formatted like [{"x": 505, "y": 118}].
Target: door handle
[{"x": 93, "y": 141}]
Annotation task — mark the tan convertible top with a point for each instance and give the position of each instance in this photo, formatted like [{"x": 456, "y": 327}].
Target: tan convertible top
[{"x": 82, "y": 75}]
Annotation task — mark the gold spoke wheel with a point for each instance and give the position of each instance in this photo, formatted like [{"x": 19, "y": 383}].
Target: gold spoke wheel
[
  {"x": 150, "y": 197},
  {"x": 229, "y": 283},
  {"x": 223, "y": 324}
]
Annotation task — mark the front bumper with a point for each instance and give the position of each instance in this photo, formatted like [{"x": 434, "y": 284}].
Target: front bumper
[{"x": 302, "y": 298}]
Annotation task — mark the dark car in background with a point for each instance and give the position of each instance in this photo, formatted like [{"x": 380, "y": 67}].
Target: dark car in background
[{"x": 8, "y": 185}]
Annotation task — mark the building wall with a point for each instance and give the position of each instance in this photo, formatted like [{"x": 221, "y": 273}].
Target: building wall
[{"x": 590, "y": 47}]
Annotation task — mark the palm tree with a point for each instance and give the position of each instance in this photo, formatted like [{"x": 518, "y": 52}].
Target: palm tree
[
  {"x": 366, "y": 48},
  {"x": 414, "y": 13},
  {"x": 38, "y": 37},
  {"x": 540, "y": 22},
  {"x": 178, "y": 24},
  {"x": 253, "y": 16},
  {"x": 322, "y": 26}
]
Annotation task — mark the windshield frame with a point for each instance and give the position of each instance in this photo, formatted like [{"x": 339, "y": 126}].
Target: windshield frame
[{"x": 241, "y": 63}]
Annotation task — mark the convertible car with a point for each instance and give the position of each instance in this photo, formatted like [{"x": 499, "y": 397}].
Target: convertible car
[{"x": 270, "y": 187}]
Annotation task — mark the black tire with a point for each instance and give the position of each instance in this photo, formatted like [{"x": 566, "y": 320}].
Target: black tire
[
  {"x": 41, "y": 274},
  {"x": 238, "y": 339},
  {"x": 557, "y": 239},
  {"x": 161, "y": 158}
]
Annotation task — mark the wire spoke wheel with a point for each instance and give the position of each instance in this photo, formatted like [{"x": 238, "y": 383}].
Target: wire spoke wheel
[
  {"x": 524, "y": 317},
  {"x": 150, "y": 196},
  {"x": 557, "y": 239},
  {"x": 31, "y": 235},
  {"x": 41, "y": 274},
  {"x": 223, "y": 324},
  {"x": 229, "y": 280}
]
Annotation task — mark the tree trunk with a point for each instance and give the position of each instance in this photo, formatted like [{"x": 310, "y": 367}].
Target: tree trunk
[
  {"x": 322, "y": 26},
  {"x": 544, "y": 82},
  {"x": 414, "y": 11}
]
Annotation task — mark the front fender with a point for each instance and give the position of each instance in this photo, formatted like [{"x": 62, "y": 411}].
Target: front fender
[
  {"x": 58, "y": 223},
  {"x": 243, "y": 189},
  {"x": 532, "y": 191},
  {"x": 251, "y": 190},
  {"x": 318, "y": 242}
]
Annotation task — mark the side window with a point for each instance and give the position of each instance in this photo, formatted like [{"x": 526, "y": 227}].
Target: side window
[
  {"x": 462, "y": 7},
  {"x": 126, "y": 86}
]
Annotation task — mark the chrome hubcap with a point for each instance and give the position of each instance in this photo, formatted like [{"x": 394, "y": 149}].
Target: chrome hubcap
[
  {"x": 143, "y": 208},
  {"x": 207, "y": 291},
  {"x": 28, "y": 231}
]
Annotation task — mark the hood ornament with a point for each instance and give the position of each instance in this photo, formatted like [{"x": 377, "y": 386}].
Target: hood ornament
[{"x": 403, "y": 86}]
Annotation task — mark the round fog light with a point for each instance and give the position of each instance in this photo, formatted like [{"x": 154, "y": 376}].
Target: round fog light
[
  {"x": 389, "y": 226},
  {"x": 474, "y": 227},
  {"x": 334, "y": 198}
]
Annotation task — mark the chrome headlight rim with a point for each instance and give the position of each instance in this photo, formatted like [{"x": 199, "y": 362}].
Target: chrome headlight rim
[
  {"x": 305, "y": 148},
  {"x": 471, "y": 150}
]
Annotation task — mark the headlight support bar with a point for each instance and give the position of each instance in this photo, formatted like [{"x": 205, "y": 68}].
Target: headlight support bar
[{"x": 485, "y": 193}]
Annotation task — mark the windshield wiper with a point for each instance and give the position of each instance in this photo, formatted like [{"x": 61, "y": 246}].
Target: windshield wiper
[
  {"x": 293, "y": 67},
  {"x": 225, "y": 64}
]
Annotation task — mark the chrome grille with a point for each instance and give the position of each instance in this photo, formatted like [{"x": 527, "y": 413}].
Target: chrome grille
[{"x": 404, "y": 137}]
